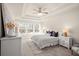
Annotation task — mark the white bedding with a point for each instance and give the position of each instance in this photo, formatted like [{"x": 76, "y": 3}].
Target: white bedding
[{"x": 44, "y": 40}]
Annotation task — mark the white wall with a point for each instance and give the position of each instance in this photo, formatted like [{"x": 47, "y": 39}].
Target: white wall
[
  {"x": 68, "y": 18},
  {"x": 57, "y": 22}
]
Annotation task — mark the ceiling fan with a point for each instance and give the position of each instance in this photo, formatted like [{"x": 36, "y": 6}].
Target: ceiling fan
[{"x": 41, "y": 11}]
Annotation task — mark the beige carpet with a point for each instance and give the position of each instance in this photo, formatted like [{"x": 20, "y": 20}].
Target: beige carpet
[{"x": 30, "y": 49}]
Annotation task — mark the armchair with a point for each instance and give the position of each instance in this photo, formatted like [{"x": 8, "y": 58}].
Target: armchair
[{"x": 75, "y": 49}]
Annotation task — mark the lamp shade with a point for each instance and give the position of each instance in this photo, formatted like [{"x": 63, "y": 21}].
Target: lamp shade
[{"x": 66, "y": 31}]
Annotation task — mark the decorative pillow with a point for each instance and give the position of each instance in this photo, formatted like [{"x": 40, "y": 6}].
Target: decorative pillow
[
  {"x": 52, "y": 33},
  {"x": 56, "y": 34}
]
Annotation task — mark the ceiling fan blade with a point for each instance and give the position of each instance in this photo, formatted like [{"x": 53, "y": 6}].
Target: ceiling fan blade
[
  {"x": 39, "y": 9},
  {"x": 35, "y": 10},
  {"x": 45, "y": 12}
]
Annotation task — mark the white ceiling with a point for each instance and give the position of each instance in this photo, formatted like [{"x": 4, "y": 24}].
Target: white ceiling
[{"x": 26, "y": 10}]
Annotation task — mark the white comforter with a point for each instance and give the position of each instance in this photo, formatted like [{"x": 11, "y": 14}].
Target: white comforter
[{"x": 44, "y": 40}]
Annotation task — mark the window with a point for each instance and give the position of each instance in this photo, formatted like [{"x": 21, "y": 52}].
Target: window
[
  {"x": 22, "y": 28},
  {"x": 36, "y": 27},
  {"x": 28, "y": 27},
  {"x": 32, "y": 27}
]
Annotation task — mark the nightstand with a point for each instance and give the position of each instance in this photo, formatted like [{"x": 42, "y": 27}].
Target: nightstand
[{"x": 65, "y": 41}]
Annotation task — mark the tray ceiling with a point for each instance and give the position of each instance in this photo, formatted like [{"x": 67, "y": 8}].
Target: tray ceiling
[{"x": 26, "y": 10}]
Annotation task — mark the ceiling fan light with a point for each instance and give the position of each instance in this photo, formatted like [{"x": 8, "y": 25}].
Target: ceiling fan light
[{"x": 40, "y": 14}]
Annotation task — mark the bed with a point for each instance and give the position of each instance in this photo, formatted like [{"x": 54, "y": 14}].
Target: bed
[{"x": 43, "y": 41}]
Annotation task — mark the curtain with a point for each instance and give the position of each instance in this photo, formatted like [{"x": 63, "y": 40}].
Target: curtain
[
  {"x": 2, "y": 32},
  {"x": 2, "y": 22}
]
